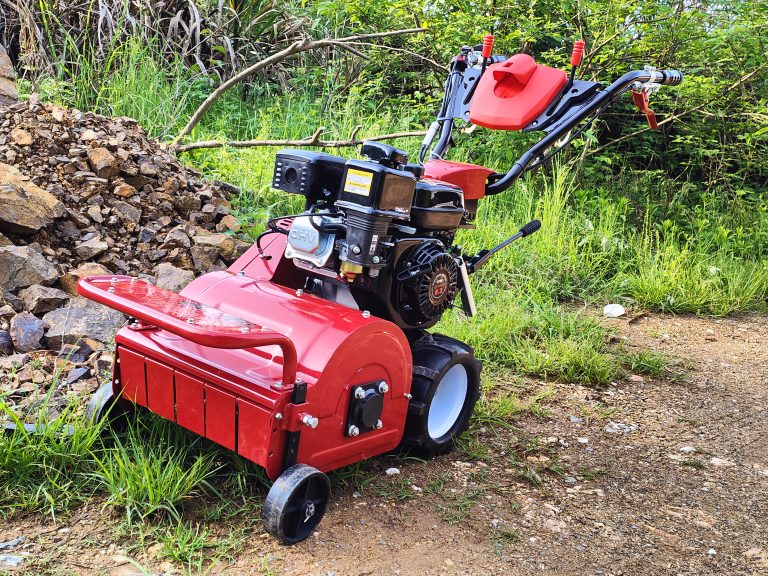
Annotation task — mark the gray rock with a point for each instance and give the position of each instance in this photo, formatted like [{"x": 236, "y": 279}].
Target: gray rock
[
  {"x": 94, "y": 213},
  {"x": 13, "y": 361},
  {"x": 27, "y": 332},
  {"x": 13, "y": 301},
  {"x": 6, "y": 311},
  {"x": 75, "y": 375},
  {"x": 6, "y": 343},
  {"x": 41, "y": 299},
  {"x": 12, "y": 543},
  {"x": 76, "y": 352},
  {"x": 620, "y": 428},
  {"x": 11, "y": 560},
  {"x": 204, "y": 257},
  {"x": 91, "y": 248},
  {"x": 127, "y": 213},
  {"x": 4, "y": 241},
  {"x": 25, "y": 208},
  {"x": 81, "y": 318},
  {"x": 172, "y": 278},
  {"x": 224, "y": 244},
  {"x": 176, "y": 238},
  {"x": 22, "y": 266},
  {"x": 8, "y": 93}
]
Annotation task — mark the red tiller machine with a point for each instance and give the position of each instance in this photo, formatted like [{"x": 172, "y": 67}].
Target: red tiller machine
[{"x": 311, "y": 352}]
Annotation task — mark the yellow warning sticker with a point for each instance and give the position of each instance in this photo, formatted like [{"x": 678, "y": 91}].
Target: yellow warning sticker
[{"x": 358, "y": 182}]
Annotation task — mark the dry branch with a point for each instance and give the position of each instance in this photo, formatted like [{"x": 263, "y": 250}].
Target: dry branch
[
  {"x": 295, "y": 48},
  {"x": 314, "y": 140}
]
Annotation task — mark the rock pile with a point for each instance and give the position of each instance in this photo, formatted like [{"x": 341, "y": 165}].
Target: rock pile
[{"x": 83, "y": 194}]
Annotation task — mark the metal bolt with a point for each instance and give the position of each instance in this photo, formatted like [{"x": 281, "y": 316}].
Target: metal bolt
[
  {"x": 279, "y": 384},
  {"x": 279, "y": 416},
  {"x": 190, "y": 320},
  {"x": 379, "y": 424},
  {"x": 299, "y": 292},
  {"x": 355, "y": 249},
  {"x": 111, "y": 289},
  {"x": 310, "y": 421},
  {"x": 383, "y": 387},
  {"x": 409, "y": 396},
  {"x": 353, "y": 430},
  {"x": 241, "y": 273},
  {"x": 366, "y": 314},
  {"x": 359, "y": 393},
  {"x": 376, "y": 259}
]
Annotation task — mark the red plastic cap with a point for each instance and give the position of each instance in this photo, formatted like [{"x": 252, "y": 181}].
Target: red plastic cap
[
  {"x": 578, "y": 53},
  {"x": 487, "y": 45}
]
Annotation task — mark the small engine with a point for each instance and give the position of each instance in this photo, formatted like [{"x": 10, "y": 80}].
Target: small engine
[{"x": 375, "y": 234}]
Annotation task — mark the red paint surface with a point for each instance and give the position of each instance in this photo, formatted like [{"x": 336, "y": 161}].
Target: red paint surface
[
  {"x": 511, "y": 94},
  {"x": 193, "y": 320},
  {"x": 161, "y": 398},
  {"x": 132, "y": 377},
  {"x": 190, "y": 403},
  {"x": 220, "y": 417},
  {"x": 469, "y": 177}
]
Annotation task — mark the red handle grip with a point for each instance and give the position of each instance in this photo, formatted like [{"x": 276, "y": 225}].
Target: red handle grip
[
  {"x": 487, "y": 45},
  {"x": 578, "y": 53}
]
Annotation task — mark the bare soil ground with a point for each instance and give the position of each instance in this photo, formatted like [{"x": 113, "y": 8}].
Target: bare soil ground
[{"x": 647, "y": 476}]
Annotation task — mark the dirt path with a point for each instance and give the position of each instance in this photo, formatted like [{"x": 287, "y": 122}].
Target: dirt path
[{"x": 650, "y": 476}]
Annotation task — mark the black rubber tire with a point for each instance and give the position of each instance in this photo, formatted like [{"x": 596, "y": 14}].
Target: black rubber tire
[
  {"x": 296, "y": 503},
  {"x": 433, "y": 356},
  {"x": 104, "y": 405}
]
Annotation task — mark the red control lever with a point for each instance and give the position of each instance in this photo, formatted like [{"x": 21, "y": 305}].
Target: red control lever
[
  {"x": 641, "y": 101},
  {"x": 578, "y": 53},
  {"x": 487, "y": 45}
]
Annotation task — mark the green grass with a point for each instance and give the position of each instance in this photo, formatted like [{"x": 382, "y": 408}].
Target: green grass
[
  {"x": 46, "y": 470},
  {"x": 153, "y": 469},
  {"x": 646, "y": 362}
]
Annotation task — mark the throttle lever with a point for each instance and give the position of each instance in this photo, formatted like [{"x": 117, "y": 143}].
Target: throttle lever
[{"x": 640, "y": 99}]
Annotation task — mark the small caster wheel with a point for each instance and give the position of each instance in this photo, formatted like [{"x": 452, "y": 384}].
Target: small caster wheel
[
  {"x": 296, "y": 503},
  {"x": 104, "y": 405}
]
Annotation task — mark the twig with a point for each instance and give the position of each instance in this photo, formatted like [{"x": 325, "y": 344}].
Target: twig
[
  {"x": 733, "y": 86},
  {"x": 435, "y": 65},
  {"x": 313, "y": 140},
  {"x": 295, "y": 48}
]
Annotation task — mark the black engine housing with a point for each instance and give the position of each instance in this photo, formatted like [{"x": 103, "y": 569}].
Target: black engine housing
[{"x": 426, "y": 283}]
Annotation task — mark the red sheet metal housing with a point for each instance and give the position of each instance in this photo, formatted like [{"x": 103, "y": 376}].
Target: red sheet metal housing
[
  {"x": 469, "y": 177},
  {"x": 237, "y": 397}
]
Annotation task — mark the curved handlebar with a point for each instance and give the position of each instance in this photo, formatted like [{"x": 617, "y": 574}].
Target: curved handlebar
[{"x": 603, "y": 99}]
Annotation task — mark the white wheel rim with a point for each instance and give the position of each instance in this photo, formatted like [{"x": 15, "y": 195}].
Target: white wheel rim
[{"x": 448, "y": 401}]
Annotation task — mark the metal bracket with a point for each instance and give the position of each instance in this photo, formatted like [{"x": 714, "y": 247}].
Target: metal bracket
[
  {"x": 299, "y": 396},
  {"x": 467, "y": 297}
]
